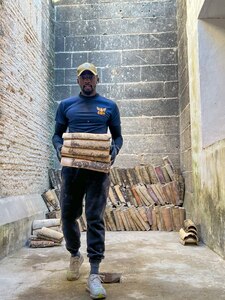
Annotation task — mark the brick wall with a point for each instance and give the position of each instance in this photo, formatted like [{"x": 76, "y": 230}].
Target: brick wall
[
  {"x": 133, "y": 44},
  {"x": 26, "y": 38},
  {"x": 185, "y": 121}
]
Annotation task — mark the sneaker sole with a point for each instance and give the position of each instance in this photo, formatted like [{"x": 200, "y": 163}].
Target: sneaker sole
[{"x": 99, "y": 296}]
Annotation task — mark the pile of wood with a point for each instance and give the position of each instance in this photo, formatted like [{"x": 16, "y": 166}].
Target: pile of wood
[
  {"x": 87, "y": 151},
  {"x": 144, "y": 218},
  {"x": 189, "y": 234},
  {"x": 46, "y": 233},
  {"x": 141, "y": 198},
  {"x": 52, "y": 202}
]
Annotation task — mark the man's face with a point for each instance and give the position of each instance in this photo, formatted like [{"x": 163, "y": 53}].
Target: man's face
[{"x": 87, "y": 82}]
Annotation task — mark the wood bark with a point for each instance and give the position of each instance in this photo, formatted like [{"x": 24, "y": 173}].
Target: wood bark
[
  {"x": 87, "y": 144},
  {"x": 86, "y": 136},
  {"x": 84, "y": 164}
]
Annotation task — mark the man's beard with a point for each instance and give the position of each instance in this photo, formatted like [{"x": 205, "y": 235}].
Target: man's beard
[{"x": 89, "y": 91}]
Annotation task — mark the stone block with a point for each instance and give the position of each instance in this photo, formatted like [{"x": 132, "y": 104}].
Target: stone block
[
  {"x": 59, "y": 76},
  {"x": 149, "y": 108},
  {"x": 70, "y": 76},
  {"x": 184, "y": 98},
  {"x": 143, "y": 90},
  {"x": 120, "y": 74},
  {"x": 111, "y": 91},
  {"x": 171, "y": 9},
  {"x": 75, "y": 90},
  {"x": 79, "y": 58},
  {"x": 171, "y": 89},
  {"x": 85, "y": 27},
  {"x": 59, "y": 44},
  {"x": 136, "y": 125},
  {"x": 150, "y": 144},
  {"x": 76, "y": 12},
  {"x": 105, "y": 59},
  {"x": 185, "y": 118},
  {"x": 185, "y": 139},
  {"x": 183, "y": 80},
  {"x": 84, "y": 43},
  {"x": 186, "y": 160},
  {"x": 159, "y": 73},
  {"x": 62, "y": 92},
  {"x": 140, "y": 57},
  {"x": 158, "y": 40},
  {"x": 62, "y": 29},
  {"x": 165, "y": 125},
  {"x": 63, "y": 60},
  {"x": 168, "y": 56},
  {"x": 116, "y": 42}
]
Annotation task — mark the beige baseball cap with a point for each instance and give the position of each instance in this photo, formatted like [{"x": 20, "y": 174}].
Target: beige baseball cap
[{"x": 86, "y": 67}]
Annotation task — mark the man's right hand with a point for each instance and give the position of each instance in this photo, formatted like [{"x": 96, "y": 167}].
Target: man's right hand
[{"x": 58, "y": 152}]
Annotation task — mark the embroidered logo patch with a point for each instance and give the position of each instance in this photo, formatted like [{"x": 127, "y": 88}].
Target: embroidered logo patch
[{"x": 101, "y": 111}]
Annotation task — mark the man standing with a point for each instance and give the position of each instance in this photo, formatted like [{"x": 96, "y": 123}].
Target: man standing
[{"x": 88, "y": 112}]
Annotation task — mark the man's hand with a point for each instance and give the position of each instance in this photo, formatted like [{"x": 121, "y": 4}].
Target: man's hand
[
  {"x": 58, "y": 152},
  {"x": 113, "y": 152}
]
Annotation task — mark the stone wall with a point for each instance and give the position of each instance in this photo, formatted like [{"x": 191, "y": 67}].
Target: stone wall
[
  {"x": 26, "y": 96},
  {"x": 26, "y": 119},
  {"x": 185, "y": 118},
  {"x": 204, "y": 39},
  {"x": 133, "y": 44}
]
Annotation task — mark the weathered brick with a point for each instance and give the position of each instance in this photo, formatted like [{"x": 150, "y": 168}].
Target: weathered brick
[
  {"x": 184, "y": 98},
  {"x": 143, "y": 90},
  {"x": 105, "y": 59},
  {"x": 168, "y": 56},
  {"x": 70, "y": 76},
  {"x": 150, "y": 108},
  {"x": 158, "y": 40},
  {"x": 63, "y": 60},
  {"x": 59, "y": 44},
  {"x": 140, "y": 57},
  {"x": 59, "y": 76},
  {"x": 152, "y": 144},
  {"x": 85, "y": 43},
  {"x": 78, "y": 59},
  {"x": 62, "y": 92},
  {"x": 159, "y": 73},
  {"x": 121, "y": 74},
  {"x": 171, "y": 89}
]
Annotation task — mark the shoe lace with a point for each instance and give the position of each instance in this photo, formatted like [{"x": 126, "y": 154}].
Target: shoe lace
[{"x": 96, "y": 281}]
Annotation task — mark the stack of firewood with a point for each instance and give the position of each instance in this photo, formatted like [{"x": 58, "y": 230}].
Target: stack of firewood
[
  {"x": 52, "y": 202},
  {"x": 86, "y": 151},
  {"x": 141, "y": 198},
  {"x": 46, "y": 233}
]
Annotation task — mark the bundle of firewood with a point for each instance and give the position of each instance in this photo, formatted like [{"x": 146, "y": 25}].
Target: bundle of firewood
[
  {"x": 188, "y": 233},
  {"x": 46, "y": 233},
  {"x": 86, "y": 151},
  {"x": 52, "y": 202},
  {"x": 163, "y": 218}
]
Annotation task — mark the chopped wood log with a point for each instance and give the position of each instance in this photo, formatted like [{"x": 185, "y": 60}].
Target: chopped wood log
[
  {"x": 189, "y": 225},
  {"x": 176, "y": 218},
  {"x": 86, "y": 136},
  {"x": 38, "y": 224},
  {"x": 159, "y": 174},
  {"x": 83, "y": 157},
  {"x": 51, "y": 199},
  {"x": 85, "y": 152},
  {"x": 182, "y": 212},
  {"x": 84, "y": 164},
  {"x": 112, "y": 197},
  {"x": 110, "y": 277},
  {"x": 49, "y": 234},
  {"x": 167, "y": 218},
  {"x": 42, "y": 244},
  {"x": 87, "y": 144},
  {"x": 119, "y": 193}
]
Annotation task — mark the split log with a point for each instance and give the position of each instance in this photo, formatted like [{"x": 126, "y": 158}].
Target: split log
[
  {"x": 85, "y": 164},
  {"x": 83, "y": 157},
  {"x": 85, "y": 152},
  {"x": 42, "y": 244},
  {"x": 49, "y": 234},
  {"x": 87, "y": 144},
  {"x": 38, "y": 224},
  {"x": 86, "y": 136}
]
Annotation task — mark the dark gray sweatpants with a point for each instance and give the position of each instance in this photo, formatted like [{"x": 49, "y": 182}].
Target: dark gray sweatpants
[{"x": 77, "y": 183}]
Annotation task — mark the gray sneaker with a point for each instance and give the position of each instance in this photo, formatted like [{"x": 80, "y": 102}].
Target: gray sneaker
[
  {"x": 95, "y": 288},
  {"x": 75, "y": 263}
]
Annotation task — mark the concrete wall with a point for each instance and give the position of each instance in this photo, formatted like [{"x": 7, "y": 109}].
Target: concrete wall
[
  {"x": 208, "y": 207},
  {"x": 184, "y": 104},
  {"x": 26, "y": 120},
  {"x": 133, "y": 44}
]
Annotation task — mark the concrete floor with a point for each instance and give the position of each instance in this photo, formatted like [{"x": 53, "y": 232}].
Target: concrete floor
[{"x": 154, "y": 266}]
